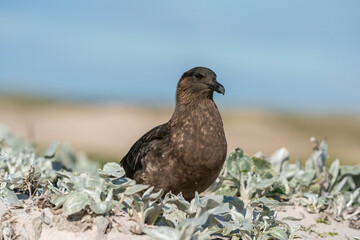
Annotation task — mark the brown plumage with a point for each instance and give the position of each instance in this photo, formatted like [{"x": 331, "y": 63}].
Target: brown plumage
[{"x": 187, "y": 153}]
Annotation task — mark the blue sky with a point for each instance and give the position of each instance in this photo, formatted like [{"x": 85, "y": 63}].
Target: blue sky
[{"x": 292, "y": 55}]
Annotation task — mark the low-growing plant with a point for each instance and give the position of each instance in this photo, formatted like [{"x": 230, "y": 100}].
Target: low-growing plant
[
  {"x": 239, "y": 205},
  {"x": 312, "y": 185}
]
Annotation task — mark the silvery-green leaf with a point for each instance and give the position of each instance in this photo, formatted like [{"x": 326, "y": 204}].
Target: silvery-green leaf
[
  {"x": 353, "y": 237},
  {"x": 230, "y": 226},
  {"x": 266, "y": 201},
  {"x": 178, "y": 200},
  {"x": 322, "y": 203},
  {"x": 69, "y": 175},
  {"x": 278, "y": 158},
  {"x": 66, "y": 185},
  {"x": 163, "y": 233},
  {"x": 54, "y": 189},
  {"x": 315, "y": 188},
  {"x": 312, "y": 197},
  {"x": 204, "y": 235},
  {"x": 200, "y": 205},
  {"x": 8, "y": 196},
  {"x": 112, "y": 169},
  {"x": 173, "y": 215},
  {"x": 309, "y": 165},
  {"x": 156, "y": 195},
  {"x": 58, "y": 200},
  {"x": 351, "y": 183},
  {"x": 152, "y": 213},
  {"x": 75, "y": 202},
  {"x": 134, "y": 189},
  {"x": 223, "y": 209},
  {"x": 339, "y": 204},
  {"x": 354, "y": 196},
  {"x": 307, "y": 177},
  {"x": 121, "y": 183},
  {"x": 278, "y": 233},
  {"x": 334, "y": 172},
  {"x": 265, "y": 183},
  {"x": 289, "y": 170},
  {"x": 324, "y": 146},
  {"x": 236, "y": 214},
  {"x": 337, "y": 188},
  {"x": 245, "y": 165},
  {"x": 14, "y": 178},
  {"x": 232, "y": 166},
  {"x": 350, "y": 170},
  {"x": 50, "y": 153},
  {"x": 353, "y": 215},
  {"x": 285, "y": 183},
  {"x": 236, "y": 222},
  {"x": 236, "y": 202},
  {"x": 188, "y": 226},
  {"x": 318, "y": 158},
  {"x": 3, "y": 155},
  {"x": 260, "y": 165},
  {"x": 147, "y": 193},
  {"x": 91, "y": 183},
  {"x": 101, "y": 207},
  {"x": 247, "y": 225},
  {"x": 262, "y": 156}
]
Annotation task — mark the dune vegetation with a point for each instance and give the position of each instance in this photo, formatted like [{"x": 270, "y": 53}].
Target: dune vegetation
[{"x": 60, "y": 193}]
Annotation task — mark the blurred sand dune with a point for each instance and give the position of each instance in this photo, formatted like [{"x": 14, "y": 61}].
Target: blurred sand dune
[{"x": 107, "y": 131}]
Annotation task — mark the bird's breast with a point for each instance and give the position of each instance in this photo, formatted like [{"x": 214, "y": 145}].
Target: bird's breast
[{"x": 199, "y": 138}]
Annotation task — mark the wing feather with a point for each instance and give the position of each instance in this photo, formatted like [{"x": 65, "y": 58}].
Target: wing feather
[{"x": 132, "y": 160}]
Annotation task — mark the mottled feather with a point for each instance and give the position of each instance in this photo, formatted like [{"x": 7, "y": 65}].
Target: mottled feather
[{"x": 132, "y": 160}]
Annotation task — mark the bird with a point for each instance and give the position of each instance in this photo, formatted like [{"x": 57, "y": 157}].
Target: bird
[{"x": 186, "y": 154}]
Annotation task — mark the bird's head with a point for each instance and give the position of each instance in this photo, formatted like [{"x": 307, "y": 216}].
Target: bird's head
[{"x": 199, "y": 82}]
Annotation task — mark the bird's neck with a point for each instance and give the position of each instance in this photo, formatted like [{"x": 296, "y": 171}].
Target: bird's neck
[
  {"x": 187, "y": 103},
  {"x": 187, "y": 96}
]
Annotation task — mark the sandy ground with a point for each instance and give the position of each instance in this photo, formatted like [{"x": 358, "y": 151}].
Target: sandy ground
[
  {"x": 313, "y": 229},
  {"x": 108, "y": 130},
  {"x": 34, "y": 223}
]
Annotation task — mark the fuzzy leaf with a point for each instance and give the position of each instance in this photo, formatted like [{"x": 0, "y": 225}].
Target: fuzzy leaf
[
  {"x": 163, "y": 233},
  {"x": 152, "y": 213},
  {"x": 278, "y": 158},
  {"x": 75, "y": 202},
  {"x": 135, "y": 189},
  {"x": 8, "y": 196},
  {"x": 278, "y": 233},
  {"x": 58, "y": 200},
  {"x": 245, "y": 165},
  {"x": 178, "y": 200},
  {"x": 50, "y": 153},
  {"x": 101, "y": 207},
  {"x": 334, "y": 173},
  {"x": 112, "y": 169}
]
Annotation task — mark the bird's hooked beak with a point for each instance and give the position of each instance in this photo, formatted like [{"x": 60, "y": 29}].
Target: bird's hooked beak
[{"x": 217, "y": 87}]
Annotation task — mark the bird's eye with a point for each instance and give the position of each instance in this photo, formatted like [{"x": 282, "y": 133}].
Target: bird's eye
[{"x": 199, "y": 76}]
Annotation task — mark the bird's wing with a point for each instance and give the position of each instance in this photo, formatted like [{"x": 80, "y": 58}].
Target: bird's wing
[{"x": 132, "y": 160}]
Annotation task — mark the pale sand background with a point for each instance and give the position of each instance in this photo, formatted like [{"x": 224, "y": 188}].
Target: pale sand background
[{"x": 107, "y": 131}]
